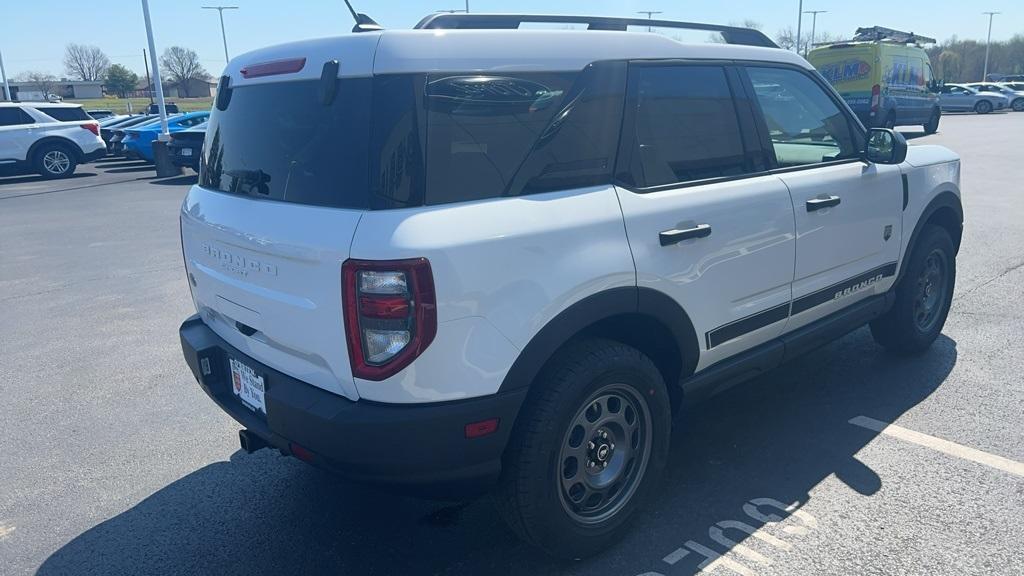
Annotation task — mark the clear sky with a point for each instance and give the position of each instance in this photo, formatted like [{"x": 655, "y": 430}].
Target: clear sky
[{"x": 33, "y": 34}]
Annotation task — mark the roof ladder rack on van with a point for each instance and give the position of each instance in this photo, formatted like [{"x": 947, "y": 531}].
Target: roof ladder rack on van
[
  {"x": 446, "y": 20},
  {"x": 880, "y": 33}
]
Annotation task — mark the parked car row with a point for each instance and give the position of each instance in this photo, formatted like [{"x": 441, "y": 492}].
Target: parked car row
[{"x": 133, "y": 137}]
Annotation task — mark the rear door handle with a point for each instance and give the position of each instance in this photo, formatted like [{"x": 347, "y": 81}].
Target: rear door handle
[
  {"x": 675, "y": 236},
  {"x": 822, "y": 202}
]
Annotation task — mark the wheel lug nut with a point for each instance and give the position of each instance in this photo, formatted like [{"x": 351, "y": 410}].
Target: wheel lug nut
[
  {"x": 611, "y": 446},
  {"x": 590, "y": 444}
]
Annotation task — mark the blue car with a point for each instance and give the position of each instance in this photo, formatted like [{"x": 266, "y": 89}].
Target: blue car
[{"x": 138, "y": 142}]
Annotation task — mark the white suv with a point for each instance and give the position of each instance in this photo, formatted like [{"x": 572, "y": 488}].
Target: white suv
[
  {"x": 33, "y": 141},
  {"x": 470, "y": 256}
]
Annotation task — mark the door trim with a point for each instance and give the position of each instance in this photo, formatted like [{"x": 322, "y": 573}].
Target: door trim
[{"x": 837, "y": 291}]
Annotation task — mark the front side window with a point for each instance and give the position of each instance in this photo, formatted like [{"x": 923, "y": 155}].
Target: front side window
[
  {"x": 686, "y": 126},
  {"x": 805, "y": 125}
]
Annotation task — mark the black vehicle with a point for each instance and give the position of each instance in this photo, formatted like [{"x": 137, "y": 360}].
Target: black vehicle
[
  {"x": 186, "y": 146},
  {"x": 171, "y": 107}
]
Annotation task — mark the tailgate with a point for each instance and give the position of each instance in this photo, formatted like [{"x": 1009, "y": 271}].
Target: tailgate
[{"x": 266, "y": 277}]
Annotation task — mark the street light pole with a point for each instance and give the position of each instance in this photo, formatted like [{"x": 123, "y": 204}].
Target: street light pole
[
  {"x": 799, "y": 25},
  {"x": 223, "y": 36},
  {"x": 3, "y": 73},
  {"x": 814, "y": 27},
  {"x": 649, "y": 14},
  {"x": 164, "y": 134},
  {"x": 467, "y": 6},
  {"x": 988, "y": 44}
]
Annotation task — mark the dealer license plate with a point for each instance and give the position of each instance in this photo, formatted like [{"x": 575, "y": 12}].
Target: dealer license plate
[
  {"x": 186, "y": 151},
  {"x": 248, "y": 386}
]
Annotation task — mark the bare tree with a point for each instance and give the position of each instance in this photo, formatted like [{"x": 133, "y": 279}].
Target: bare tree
[
  {"x": 182, "y": 67},
  {"x": 40, "y": 81},
  {"x": 786, "y": 38},
  {"x": 87, "y": 63}
]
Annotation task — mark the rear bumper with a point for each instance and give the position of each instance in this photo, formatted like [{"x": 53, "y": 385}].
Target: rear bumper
[
  {"x": 418, "y": 446},
  {"x": 94, "y": 155}
]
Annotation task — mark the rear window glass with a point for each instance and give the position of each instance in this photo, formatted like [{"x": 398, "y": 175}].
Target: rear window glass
[
  {"x": 64, "y": 114},
  {"x": 280, "y": 142},
  {"x": 480, "y": 129},
  {"x": 687, "y": 127}
]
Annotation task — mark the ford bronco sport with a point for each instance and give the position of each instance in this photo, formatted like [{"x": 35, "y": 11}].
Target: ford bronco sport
[{"x": 470, "y": 256}]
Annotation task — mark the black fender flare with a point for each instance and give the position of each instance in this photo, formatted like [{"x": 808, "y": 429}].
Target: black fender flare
[
  {"x": 75, "y": 148},
  {"x": 943, "y": 200},
  {"x": 594, "y": 308}
]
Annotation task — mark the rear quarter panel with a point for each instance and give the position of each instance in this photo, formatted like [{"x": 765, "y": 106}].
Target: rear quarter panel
[{"x": 502, "y": 269}]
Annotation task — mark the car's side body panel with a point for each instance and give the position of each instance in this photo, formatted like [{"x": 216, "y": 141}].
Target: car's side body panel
[{"x": 572, "y": 243}]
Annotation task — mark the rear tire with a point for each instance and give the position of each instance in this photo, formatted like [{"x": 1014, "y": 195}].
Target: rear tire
[
  {"x": 923, "y": 296},
  {"x": 54, "y": 161},
  {"x": 1018, "y": 105},
  {"x": 566, "y": 488},
  {"x": 983, "y": 107},
  {"x": 932, "y": 126}
]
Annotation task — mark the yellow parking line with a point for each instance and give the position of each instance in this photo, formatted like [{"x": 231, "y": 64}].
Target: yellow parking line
[{"x": 940, "y": 445}]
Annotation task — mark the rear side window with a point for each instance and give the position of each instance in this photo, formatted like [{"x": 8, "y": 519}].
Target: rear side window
[
  {"x": 280, "y": 142},
  {"x": 64, "y": 114},
  {"x": 10, "y": 116},
  {"x": 439, "y": 139},
  {"x": 686, "y": 126}
]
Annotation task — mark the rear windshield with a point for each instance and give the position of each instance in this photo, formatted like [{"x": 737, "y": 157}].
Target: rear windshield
[
  {"x": 413, "y": 139},
  {"x": 281, "y": 142},
  {"x": 64, "y": 114}
]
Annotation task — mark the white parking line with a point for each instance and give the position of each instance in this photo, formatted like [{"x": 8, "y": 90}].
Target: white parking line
[{"x": 940, "y": 445}]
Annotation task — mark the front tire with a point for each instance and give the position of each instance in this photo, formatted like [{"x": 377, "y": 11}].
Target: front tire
[
  {"x": 1018, "y": 105},
  {"x": 587, "y": 449},
  {"x": 54, "y": 161},
  {"x": 983, "y": 107},
  {"x": 923, "y": 296}
]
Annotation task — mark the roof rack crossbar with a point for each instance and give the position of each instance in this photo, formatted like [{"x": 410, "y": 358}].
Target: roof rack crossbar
[
  {"x": 880, "y": 33},
  {"x": 446, "y": 20}
]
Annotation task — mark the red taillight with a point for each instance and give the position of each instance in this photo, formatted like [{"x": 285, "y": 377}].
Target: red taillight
[
  {"x": 390, "y": 314},
  {"x": 93, "y": 127},
  {"x": 272, "y": 68},
  {"x": 876, "y": 98}
]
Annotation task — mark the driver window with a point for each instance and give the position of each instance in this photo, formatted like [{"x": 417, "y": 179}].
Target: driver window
[{"x": 805, "y": 124}]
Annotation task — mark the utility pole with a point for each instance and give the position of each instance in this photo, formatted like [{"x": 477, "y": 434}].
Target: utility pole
[
  {"x": 149, "y": 81},
  {"x": 814, "y": 26},
  {"x": 988, "y": 44},
  {"x": 799, "y": 25},
  {"x": 223, "y": 36},
  {"x": 3, "y": 74},
  {"x": 649, "y": 14}
]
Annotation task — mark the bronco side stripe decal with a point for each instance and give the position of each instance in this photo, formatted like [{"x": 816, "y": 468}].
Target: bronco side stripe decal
[
  {"x": 738, "y": 328},
  {"x": 844, "y": 288}
]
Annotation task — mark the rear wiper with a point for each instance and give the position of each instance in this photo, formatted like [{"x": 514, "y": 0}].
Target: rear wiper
[{"x": 254, "y": 180}]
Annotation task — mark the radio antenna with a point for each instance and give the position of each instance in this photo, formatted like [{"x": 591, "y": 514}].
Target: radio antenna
[{"x": 363, "y": 22}]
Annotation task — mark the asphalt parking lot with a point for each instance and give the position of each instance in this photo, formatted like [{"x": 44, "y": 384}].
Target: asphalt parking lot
[{"x": 113, "y": 461}]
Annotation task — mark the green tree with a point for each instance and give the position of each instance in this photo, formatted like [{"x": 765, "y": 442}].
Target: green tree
[{"x": 121, "y": 80}]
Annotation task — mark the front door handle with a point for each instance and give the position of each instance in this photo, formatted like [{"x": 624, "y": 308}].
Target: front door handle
[
  {"x": 675, "y": 236},
  {"x": 822, "y": 202}
]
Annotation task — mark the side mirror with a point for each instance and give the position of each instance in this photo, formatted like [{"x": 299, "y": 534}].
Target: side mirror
[{"x": 885, "y": 146}]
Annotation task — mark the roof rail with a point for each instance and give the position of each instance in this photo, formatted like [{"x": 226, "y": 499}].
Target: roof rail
[
  {"x": 880, "y": 33},
  {"x": 447, "y": 20}
]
